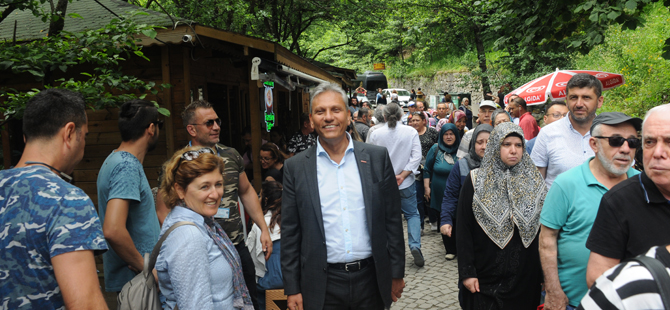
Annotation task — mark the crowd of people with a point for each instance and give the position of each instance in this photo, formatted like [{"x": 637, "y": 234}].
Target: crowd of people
[{"x": 533, "y": 215}]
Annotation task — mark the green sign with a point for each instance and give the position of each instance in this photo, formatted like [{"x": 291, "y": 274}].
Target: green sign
[
  {"x": 269, "y": 121},
  {"x": 269, "y": 84}
]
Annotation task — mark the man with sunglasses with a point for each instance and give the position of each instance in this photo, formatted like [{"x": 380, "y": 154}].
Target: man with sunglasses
[
  {"x": 634, "y": 215},
  {"x": 203, "y": 126},
  {"x": 571, "y": 206},
  {"x": 125, "y": 201}
]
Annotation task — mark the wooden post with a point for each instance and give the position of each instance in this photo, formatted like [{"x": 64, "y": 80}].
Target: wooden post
[
  {"x": 255, "y": 116},
  {"x": 167, "y": 100},
  {"x": 186, "y": 53}
]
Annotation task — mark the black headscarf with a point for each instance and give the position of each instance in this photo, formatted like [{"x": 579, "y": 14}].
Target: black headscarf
[{"x": 473, "y": 159}]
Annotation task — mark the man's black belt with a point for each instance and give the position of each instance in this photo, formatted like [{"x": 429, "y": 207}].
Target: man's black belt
[{"x": 352, "y": 266}]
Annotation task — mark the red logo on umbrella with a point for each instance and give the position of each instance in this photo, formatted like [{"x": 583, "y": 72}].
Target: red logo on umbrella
[
  {"x": 602, "y": 75},
  {"x": 535, "y": 89},
  {"x": 562, "y": 84}
]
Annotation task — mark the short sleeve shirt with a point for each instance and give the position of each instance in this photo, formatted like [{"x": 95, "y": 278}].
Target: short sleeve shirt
[
  {"x": 300, "y": 142},
  {"x": 122, "y": 177},
  {"x": 633, "y": 216},
  {"x": 559, "y": 147},
  {"x": 234, "y": 165},
  {"x": 570, "y": 207},
  {"x": 41, "y": 216}
]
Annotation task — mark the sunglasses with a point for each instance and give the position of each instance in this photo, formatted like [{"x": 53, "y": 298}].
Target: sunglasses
[
  {"x": 191, "y": 155},
  {"x": 158, "y": 123},
  {"x": 633, "y": 143},
  {"x": 210, "y": 123}
]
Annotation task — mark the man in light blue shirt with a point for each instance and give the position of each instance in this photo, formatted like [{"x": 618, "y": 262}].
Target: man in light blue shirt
[
  {"x": 571, "y": 206},
  {"x": 125, "y": 201},
  {"x": 564, "y": 144},
  {"x": 404, "y": 149},
  {"x": 341, "y": 224}
]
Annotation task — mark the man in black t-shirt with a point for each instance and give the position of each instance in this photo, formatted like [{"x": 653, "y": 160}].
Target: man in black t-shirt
[
  {"x": 304, "y": 138},
  {"x": 634, "y": 215}
]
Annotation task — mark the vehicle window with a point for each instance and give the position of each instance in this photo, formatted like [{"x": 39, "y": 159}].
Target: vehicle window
[{"x": 403, "y": 92}]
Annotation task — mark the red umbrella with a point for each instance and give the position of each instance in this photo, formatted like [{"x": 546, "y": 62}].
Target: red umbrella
[{"x": 552, "y": 86}]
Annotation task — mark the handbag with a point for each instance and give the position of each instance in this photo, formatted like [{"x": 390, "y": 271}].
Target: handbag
[
  {"x": 141, "y": 293},
  {"x": 660, "y": 275}
]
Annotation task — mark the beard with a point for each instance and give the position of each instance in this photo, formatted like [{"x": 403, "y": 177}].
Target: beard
[
  {"x": 609, "y": 165},
  {"x": 152, "y": 144}
]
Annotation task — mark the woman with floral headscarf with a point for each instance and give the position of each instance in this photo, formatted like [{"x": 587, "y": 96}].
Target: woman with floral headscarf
[
  {"x": 457, "y": 118},
  {"x": 439, "y": 161},
  {"x": 498, "y": 222}
]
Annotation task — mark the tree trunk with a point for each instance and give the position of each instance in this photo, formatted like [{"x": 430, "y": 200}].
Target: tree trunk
[
  {"x": 481, "y": 56},
  {"x": 57, "y": 24},
  {"x": 10, "y": 8}
]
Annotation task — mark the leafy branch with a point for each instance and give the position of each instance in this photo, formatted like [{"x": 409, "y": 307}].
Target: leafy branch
[{"x": 103, "y": 49}]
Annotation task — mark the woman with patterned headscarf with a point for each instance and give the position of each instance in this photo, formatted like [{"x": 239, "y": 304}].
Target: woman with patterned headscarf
[
  {"x": 439, "y": 161},
  {"x": 457, "y": 118},
  {"x": 498, "y": 222}
]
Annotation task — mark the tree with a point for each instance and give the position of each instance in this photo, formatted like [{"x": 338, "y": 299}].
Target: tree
[{"x": 103, "y": 48}]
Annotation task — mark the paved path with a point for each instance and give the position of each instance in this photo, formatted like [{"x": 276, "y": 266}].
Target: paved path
[{"x": 433, "y": 286}]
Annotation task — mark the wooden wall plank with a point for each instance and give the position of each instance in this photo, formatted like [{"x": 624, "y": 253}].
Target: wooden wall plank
[{"x": 167, "y": 99}]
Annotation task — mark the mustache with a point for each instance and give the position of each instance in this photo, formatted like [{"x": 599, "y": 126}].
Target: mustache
[{"x": 622, "y": 156}]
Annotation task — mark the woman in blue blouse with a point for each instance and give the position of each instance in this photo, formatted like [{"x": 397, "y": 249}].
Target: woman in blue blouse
[
  {"x": 439, "y": 162},
  {"x": 198, "y": 266}
]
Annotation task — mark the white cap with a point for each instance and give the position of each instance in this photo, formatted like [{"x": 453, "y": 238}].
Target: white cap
[{"x": 488, "y": 103}]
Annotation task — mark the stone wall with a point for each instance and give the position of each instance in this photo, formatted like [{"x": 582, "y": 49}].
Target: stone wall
[
  {"x": 457, "y": 82},
  {"x": 452, "y": 82}
]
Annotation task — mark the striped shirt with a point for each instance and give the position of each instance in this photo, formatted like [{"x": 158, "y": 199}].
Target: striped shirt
[{"x": 627, "y": 286}]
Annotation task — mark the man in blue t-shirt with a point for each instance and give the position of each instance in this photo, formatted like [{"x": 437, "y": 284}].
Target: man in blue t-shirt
[
  {"x": 125, "y": 201},
  {"x": 571, "y": 206},
  {"x": 49, "y": 230}
]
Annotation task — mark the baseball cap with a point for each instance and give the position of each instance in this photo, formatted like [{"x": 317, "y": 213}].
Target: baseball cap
[
  {"x": 488, "y": 103},
  {"x": 616, "y": 118},
  {"x": 411, "y": 104}
]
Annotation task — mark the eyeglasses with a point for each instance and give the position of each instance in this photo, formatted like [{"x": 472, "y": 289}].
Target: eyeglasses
[
  {"x": 210, "y": 123},
  {"x": 266, "y": 158},
  {"x": 633, "y": 143},
  {"x": 558, "y": 115},
  {"x": 191, "y": 155},
  {"x": 158, "y": 123}
]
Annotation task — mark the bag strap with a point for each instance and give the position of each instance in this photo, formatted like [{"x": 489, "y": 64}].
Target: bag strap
[
  {"x": 157, "y": 247},
  {"x": 660, "y": 275}
]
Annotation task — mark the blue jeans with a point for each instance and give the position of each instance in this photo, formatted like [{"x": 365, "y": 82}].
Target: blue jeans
[
  {"x": 408, "y": 206},
  {"x": 419, "y": 201}
]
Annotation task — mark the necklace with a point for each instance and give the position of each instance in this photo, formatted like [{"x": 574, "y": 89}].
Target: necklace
[{"x": 62, "y": 174}]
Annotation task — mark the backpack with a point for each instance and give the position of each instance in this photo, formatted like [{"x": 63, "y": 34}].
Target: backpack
[{"x": 141, "y": 293}]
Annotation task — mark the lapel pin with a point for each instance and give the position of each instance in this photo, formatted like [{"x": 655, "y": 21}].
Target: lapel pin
[{"x": 363, "y": 161}]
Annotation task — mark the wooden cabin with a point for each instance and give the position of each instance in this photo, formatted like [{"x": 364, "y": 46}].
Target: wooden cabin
[{"x": 200, "y": 63}]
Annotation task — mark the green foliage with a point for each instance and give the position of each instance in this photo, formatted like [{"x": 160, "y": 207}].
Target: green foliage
[
  {"x": 637, "y": 54},
  {"x": 104, "y": 49}
]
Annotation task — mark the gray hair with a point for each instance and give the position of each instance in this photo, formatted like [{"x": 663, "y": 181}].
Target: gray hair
[
  {"x": 392, "y": 114},
  {"x": 379, "y": 114},
  {"x": 665, "y": 108},
  {"x": 597, "y": 130},
  {"x": 498, "y": 112},
  {"x": 326, "y": 87}
]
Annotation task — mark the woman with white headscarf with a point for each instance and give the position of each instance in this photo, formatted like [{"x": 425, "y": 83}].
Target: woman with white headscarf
[{"x": 498, "y": 222}]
